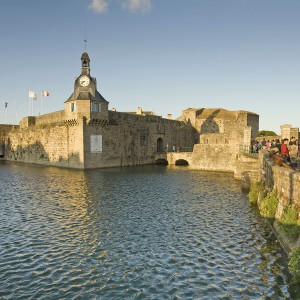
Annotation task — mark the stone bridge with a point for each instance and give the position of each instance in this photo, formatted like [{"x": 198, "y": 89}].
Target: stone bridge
[{"x": 174, "y": 158}]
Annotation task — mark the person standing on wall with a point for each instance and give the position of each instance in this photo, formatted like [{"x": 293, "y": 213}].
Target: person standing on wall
[
  {"x": 263, "y": 143},
  {"x": 285, "y": 151}
]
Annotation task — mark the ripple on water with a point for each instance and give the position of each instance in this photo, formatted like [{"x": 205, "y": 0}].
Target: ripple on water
[{"x": 136, "y": 233}]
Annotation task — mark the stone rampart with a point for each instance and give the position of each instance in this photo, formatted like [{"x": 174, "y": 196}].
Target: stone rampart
[
  {"x": 121, "y": 118},
  {"x": 5, "y": 130},
  {"x": 134, "y": 140},
  {"x": 285, "y": 181},
  {"x": 58, "y": 145},
  {"x": 51, "y": 118},
  {"x": 123, "y": 140},
  {"x": 213, "y": 157},
  {"x": 282, "y": 202}
]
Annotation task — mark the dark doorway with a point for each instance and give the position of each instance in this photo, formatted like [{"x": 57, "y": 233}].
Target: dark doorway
[{"x": 160, "y": 146}]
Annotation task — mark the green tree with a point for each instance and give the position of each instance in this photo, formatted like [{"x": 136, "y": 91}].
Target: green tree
[{"x": 266, "y": 133}]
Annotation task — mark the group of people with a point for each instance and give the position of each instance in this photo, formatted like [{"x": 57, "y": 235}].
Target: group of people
[{"x": 286, "y": 148}]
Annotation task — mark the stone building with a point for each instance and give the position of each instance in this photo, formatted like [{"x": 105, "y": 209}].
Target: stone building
[
  {"x": 86, "y": 134},
  {"x": 287, "y": 131},
  {"x": 222, "y": 135}
]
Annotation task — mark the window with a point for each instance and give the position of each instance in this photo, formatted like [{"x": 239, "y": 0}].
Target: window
[
  {"x": 73, "y": 106},
  {"x": 95, "y": 107}
]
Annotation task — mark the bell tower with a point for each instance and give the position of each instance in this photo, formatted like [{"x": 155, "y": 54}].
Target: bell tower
[
  {"x": 85, "y": 64},
  {"x": 85, "y": 101}
]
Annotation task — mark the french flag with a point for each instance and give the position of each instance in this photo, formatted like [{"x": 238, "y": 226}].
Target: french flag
[{"x": 45, "y": 94}]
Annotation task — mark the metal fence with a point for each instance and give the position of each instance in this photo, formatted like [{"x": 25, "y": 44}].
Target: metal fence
[{"x": 249, "y": 150}]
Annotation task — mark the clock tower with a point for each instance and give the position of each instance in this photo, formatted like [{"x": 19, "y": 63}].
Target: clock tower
[{"x": 85, "y": 100}]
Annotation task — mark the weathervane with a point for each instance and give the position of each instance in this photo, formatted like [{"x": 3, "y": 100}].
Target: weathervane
[{"x": 85, "y": 40}]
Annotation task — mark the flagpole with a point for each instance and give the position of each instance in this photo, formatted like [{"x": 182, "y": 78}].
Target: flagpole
[
  {"x": 17, "y": 117},
  {"x": 5, "y": 111},
  {"x": 29, "y": 102},
  {"x": 41, "y": 102}
]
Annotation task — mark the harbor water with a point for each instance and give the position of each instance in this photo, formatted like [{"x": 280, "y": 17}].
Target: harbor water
[{"x": 149, "y": 232}]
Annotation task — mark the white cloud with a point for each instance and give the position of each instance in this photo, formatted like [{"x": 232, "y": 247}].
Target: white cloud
[
  {"x": 137, "y": 5},
  {"x": 99, "y": 6},
  {"x": 133, "y": 6}
]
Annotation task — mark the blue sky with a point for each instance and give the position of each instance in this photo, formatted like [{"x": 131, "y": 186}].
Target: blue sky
[{"x": 162, "y": 55}]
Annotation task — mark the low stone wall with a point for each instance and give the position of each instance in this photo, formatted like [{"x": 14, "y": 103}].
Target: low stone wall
[{"x": 285, "y": 181}]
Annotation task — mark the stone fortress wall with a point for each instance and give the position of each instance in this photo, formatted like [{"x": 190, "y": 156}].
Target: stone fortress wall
[
  {"x": 52, "y": 144},
  {"x": 221, "y": 134},
  {"x": 126, "y": 140},
  {"x": 133, "y": 139},
  {"x": 4, "y": 133},
  {"x": 86, "y": 134}
]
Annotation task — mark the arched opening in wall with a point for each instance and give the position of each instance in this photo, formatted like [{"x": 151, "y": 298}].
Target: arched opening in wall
[
  {"x": 161, "y": 161},
  {"x": 181, "y": 162},
  {"x": 160, "y": 145}
]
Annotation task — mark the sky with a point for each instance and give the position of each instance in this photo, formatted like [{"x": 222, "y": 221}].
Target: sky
[{"x": 161, "y": 55}]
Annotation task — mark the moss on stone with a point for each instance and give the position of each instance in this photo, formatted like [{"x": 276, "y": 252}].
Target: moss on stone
[
  {"x": 269, "y": 205},
  {"x": 290, "y": 224},
  {"x": 294, "y": 263},
  {"x": 255, "y": 188}
]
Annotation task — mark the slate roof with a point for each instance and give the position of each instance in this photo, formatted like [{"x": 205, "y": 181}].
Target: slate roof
[{"x": 86, "y": 96}]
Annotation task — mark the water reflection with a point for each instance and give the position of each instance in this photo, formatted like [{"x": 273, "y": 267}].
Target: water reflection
[{"x": 134, "y": 233}]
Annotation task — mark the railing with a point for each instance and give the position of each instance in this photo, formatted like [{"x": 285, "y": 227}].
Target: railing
[
  {"x": 180, "y": 149},
  {"x": 186, "y": 149},
  {"x": 249, "y": 150}
]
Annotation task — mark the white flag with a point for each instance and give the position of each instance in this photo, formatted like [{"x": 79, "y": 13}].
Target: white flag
[{"x": 32, "y": 95}]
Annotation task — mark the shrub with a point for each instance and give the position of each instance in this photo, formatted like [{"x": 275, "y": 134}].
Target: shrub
[
  {"x": 289, "y": 223},
  {"x": 294, "y": 263},
  {"x": 255, "y": 188},
  {"x": 266, "y": 133},
  {"x": 269, "y": 205}
]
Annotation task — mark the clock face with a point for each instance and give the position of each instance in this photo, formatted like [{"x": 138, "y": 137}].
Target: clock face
[{"x": 84, "y": 80}]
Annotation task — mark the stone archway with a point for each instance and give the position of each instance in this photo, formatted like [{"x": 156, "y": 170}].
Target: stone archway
[
  {"x": 181, "y": 162},
  {"x": 161, "y": 161}
]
